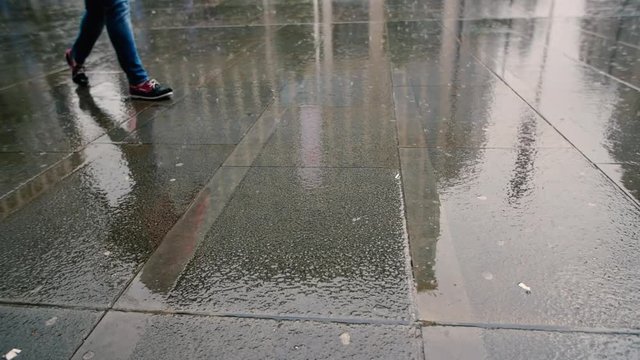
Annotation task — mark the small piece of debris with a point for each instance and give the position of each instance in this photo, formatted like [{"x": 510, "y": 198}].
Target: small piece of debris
[
  {"x": 345, "y": 338},
  {"x": 172, "y": 180},
  {"x": 591, "y": 204},
  {"x": 487, "y": 275},
  {"x": 88, "y": 355},
  {"x": 12, "y": 354},
  {"x": 356, "y": 219},
  {"x": 397, "y": 176},
  {"x": 179, "y": 164},
  {"x": 51, "y": 321},
  {"x": 482, "y": 197},
  {"x": 107, "y": 253},
  {"x": 525, "y": 287}
]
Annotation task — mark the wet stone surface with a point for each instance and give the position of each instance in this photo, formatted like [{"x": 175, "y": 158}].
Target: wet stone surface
[
  {"x": 468, "y": 343},
  {"x": 479, "y": 243},
  {"x": 143, "y": 336},
  {"x": 272, "y": 249},
  {"x": 329, "y": 178},
  {"x": 42, "y": 333},
  {"x": 100, "y": 223}
]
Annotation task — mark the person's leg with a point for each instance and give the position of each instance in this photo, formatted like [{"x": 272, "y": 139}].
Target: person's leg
[
  {"x": 90, "y": 29},
  {"x": 118, "y": 22}
]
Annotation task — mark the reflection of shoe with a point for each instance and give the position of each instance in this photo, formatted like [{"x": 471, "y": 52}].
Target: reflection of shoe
[
  {"x": 77, "y": 70},
  {"x": 150, "y": 90}
]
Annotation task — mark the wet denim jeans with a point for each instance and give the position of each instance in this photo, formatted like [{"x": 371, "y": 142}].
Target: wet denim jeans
[{"x": 115, "y": 15}]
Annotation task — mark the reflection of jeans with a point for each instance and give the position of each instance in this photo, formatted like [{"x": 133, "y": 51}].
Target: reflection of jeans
[{"x": 115, "y": 14}]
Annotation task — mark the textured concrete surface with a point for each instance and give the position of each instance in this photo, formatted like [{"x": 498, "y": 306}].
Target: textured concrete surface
[{"x": 387, "y": 179}]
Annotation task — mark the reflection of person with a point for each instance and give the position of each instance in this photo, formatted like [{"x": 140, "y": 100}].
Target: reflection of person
[{"x": 115, "y": 15}]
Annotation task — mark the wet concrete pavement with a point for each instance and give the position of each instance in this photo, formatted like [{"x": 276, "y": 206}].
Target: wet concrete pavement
[{"x": 333, "y": 179}]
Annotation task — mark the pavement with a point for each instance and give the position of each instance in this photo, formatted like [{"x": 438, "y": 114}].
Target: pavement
[{"x": 333, "y": 179}]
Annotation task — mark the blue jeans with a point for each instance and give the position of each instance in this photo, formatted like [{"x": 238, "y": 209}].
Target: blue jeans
[{"x": 115, "y": 15}]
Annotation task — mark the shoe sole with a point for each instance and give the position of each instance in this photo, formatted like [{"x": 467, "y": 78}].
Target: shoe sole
[{"x": 160, "y": 97}]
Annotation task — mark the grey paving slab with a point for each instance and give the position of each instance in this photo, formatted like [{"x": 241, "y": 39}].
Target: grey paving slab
[
  {"x": 44, "y": 333},
  {"x": 17, "y": 168},
  {"x": 139, "y": 336},
  {"x": 215, "y": 116},
  {"x": 315, "y": 136},
  {"x": 595, "y": 112},
  {"x": 616, "y": 59},
  {"x": 349, "y": 69},
  {"x": 469, "y": 116},
  {"x": 33, "y": 187},
  {"x": 473, "y": 343},
  {"x": 352, "y": 86},
  {"x": 482, "y": 221},
  {"x": 51, "y": 114},
  {"x": 98, "y": 225},
  {"x": 302, "y": 242},
  {"x": 627, "y": 176},
  {"x": 623, "y": 29},
  {"x": 423, "y": 53},
  {"x": 412, "y": 10}
]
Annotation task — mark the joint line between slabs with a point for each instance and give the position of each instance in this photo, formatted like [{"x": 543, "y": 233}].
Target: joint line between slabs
[
  {"x": 533, "y": 327},
  {"x": 275, "y": 317},
  {"x": 630, "y": 197}
]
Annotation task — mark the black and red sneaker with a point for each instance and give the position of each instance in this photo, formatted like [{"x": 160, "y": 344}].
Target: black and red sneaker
[
  {"x": 77, "y": 70},
  {"x": 150, "y": 90}
]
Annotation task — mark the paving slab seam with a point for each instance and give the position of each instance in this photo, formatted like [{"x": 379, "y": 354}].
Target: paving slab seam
[
  {"x": 407, "y": 243},
  {"x": 52, "y": 168},
  {"x": 310, "y": 167},
  {"x": 627, "y": 84},
  {"x": 532, "y": 327},
  {"x": 630, "y": 197},
  {"x": 407, "y": 248},
  {"x": 320, "y": 319},
  {"x": 18, "y": 303},
  {"x": 569, "y": 17},
  {"x": 221, "y": 26},
  {"x": 105, "y": 312},
  {"x": 15, "y": 196},
  {"x": 58, "y": 70},
  {"x": 608, "y": 38},
  {"x": 481, "y": 147}
]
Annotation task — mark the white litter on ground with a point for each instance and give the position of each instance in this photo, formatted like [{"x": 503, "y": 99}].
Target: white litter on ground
[
  {"x": 51, "y": 321},
  {"x": 525, "y": 287},
  {"x": 345, "y": 338},
  {"x": 12, "y": 354}
]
